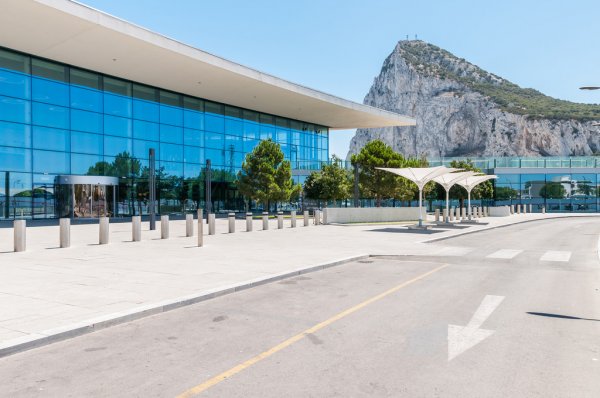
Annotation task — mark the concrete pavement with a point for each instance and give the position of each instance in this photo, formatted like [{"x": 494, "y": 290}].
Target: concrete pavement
[
  {"x": 47, "y": 292},
  {"x": 384, "y": 330}
]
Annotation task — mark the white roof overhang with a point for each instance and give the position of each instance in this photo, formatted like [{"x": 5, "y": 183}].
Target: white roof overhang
[{"x": 69, "y": 32}]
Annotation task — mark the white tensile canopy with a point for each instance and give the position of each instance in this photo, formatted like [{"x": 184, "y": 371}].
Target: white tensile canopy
[
  {"x": 420, "y": 176},
  {"x": 471, "y": 182},
  {"x": 447, "y": 181}
]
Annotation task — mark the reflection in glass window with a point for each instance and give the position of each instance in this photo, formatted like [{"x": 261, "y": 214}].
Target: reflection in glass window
[
  {"x": 14, "y": 84},
  {"x": 145, "y": 130},
  {"x": 193, "y": 154},
  {"x": 141, "y": 149},
  {"x": 15, "y": 134},
  {"x": 214, "y": 140},
  {"x": 86, "y": 99},
  {"x": 118, "y": 126},
  {"x": 193, "y": 137},
  {"x": 171, "y": 152},
  {"x": 15, "y": 159},
  {"x": 171, "y": 134},
  {"x": 51, "y": 139},
  {"x": 86, "y": 121},
  {"x": 145, "y": 110},
  {"x": 86, "y": 164},
  {"x": 117, "y": 145},
  {"x": 15, "y": 110},
  {"x": 171, "y": 115},
  {"x": 172, "y": 168},
  {"x": 216, "y": 156},
  {"x": 117, "y": 105},
  {"x": 50, "y": 115},
  {"x": 87, "y": 143},
  {"x": 191, "y": 170},
  {"x": 193, "y": 119},
  {"x": 51, "y": 162}
]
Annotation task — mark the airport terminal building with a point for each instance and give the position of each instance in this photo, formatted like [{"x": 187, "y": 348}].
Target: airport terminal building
[{"x": 85, "y": 96}]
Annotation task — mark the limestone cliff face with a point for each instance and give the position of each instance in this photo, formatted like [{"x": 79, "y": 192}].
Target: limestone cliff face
[{"x": 456, "y": 116}]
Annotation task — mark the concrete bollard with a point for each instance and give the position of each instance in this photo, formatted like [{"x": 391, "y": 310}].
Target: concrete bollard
[
  {"x": 279, "y": 220},
  {"x": 136, "y": 228},
  {"x": 305, "y": 215},
  {"x": 65, "y": 232},
  {"x": 524, "y": 209},
  {"x": 164, "y": 227},
  {"x": 248, "y": 222},
  {"x": 531, "y": 208},
  {"x": 189, "y": 225},
  {"x": 437, "y": 215},
  {"x": 463, "y": 213},
  {"x": 20, "y": 231},
  {"x": 445, "y": 215},
  {"x": 293, "y": 219},
  {"x": 485, "y": 211},
  {"x": 265, "y": 220},
  {"x": 231, "y": 220},
  {"x": 452, "y": 213},
  {"x": 103, "y": 237},
  {"x": 200, "y": 228},
  {"x": 457, "y": 213},
  {"x": 543, "y": 209},
  {"x": 211, "y": 224},
  {"x": 512, "y": 209},
  {"x": 518, "y": 209},
  {"x": 324, "y": 217},
  {"x": 316, "y": 217}
]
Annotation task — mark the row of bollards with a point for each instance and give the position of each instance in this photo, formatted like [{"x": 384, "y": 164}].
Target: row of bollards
[
  {"x": 457, "y": 213},
  {"x": 20, "y": 228}
]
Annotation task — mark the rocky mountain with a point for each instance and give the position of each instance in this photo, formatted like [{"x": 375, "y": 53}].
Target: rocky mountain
[{"x": 462, "y": 110}]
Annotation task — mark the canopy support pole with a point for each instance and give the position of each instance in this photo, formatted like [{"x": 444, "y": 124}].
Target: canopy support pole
[
  {"x": 447, "y": 218},
  {"x": 469, "y": 203}
]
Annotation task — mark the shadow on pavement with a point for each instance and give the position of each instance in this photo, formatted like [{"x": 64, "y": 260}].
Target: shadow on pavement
[
  {"x": 561, "y": 316},
  {"x": 406, "y": 231}
]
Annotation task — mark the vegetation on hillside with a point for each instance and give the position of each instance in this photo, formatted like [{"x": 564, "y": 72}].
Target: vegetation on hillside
[{"x": 431, "y": 60}]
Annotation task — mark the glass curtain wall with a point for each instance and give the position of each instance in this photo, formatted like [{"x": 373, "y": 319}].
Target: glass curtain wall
[{"x": 57, "y": 119}]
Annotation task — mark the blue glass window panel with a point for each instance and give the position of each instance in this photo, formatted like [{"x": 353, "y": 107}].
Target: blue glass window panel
[
  {"x": 141, "y": 149},
  {"x": 249, "y": 145},
  {"x": 50, "y": 115},
  {"x": 90, "y": 122},
  {"x": 234, "y": 126},
  {"x": 51, "y": 139},
  {"x": 234, "y": 142},
  {"x": 87, "y": 143},
  {"x": 171, "y": 153},
  {"x": 193, "y": 137},
  {"x": 193, "y": 119},
  {"x": 114, "y": 146},
  {"x": 191, "y": 170},
  {"x": 266, "y": 132},
  {"x": 117, "y": 105},
  {"x": 81, "y": 164},
  {"x": 15, "y": 159},
  {"x": 119, "y": 126},
  {"x": 14, "y": 84},
  {"x": 145, "y": 130},
  {"x": 214, "y": 140},
  {"x": 238, "y": 158},
  {"x": 214, "y": 123},
  {"x": 86, "y": 99},
  {"x": 171, "y": 115},
  {"x": 51, "y": 162},
  {"x": 145, "y": 110},
  {"x": 172, "y": 168},
  {"x": 192, "y": 154},
  {"x": 171, "y": 134},
  {"x": 216, "y": 156},
  {"x": 15, "y": 110},
  {"x": 51, "y": 92},
  {"x": 251, "y": 130},
  {"x": 15, "y": 134},
  {"x": 282, "y": 136}
]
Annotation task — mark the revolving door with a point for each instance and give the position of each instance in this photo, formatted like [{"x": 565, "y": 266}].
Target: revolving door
[{"x": 86, "y": 196}]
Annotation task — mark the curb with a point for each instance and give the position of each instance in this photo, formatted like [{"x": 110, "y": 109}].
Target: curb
[
  {"x": 502, "y": 226},
  {"x": 55, "y": 335}
]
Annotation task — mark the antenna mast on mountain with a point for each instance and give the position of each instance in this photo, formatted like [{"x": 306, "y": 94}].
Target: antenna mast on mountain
[{"x": 415, "y": 36}]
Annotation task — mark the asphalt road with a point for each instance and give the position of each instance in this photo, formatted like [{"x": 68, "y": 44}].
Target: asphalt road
[{"x": 517, "y": 314}]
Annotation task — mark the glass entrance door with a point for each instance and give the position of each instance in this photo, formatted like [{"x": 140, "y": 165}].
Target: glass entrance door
[{"x": 92, "y": 201}]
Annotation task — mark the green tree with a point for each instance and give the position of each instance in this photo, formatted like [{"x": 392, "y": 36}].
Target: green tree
[
  {"x": 376, "y": 183},
  {"x": 481, "y": 191},
  {"x": 332, "y": 182},
  {"x": 553, "y": 190},
  {"x": 266, "y": 176},
  {"x": 505, "y": 193}
]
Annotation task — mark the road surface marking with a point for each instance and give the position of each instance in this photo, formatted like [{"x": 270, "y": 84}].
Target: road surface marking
[
  {"x": 238, "y": 368},
  {"x": 556, "y": 256},
  {"x": 505, "y": 253},
  {"x": 454, "y": 251},
  {"x": 461, "y": 338}
]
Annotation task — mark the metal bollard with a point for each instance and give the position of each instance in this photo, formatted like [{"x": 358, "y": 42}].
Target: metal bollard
[
  {"x": 437, "y": 215},
  {"x": 531, "y": 208},
  {"x": 279, "y": 220},
  {"x": 265, "y": 220},
  {"x": 211, "y": 224},
  {"x": 65, "y": 232},
  {"x": 306, "y": 217},
  {"x": 136, "y": 228},
  {"x": 293, "y": 219},
  {"x": 189, "y": 225},
  {"x": 20, "y": 231},
  {"x": 200, "y": 228},
  {"x": 248, "y": 222},
  {"x": 164, "y": 227},
  {"x": 231, "y": 219},
  {"x": 103, "y": 238}
]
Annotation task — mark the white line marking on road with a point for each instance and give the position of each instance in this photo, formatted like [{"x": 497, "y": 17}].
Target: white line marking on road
[
  {"x": 461, "y": 338},
  {"x": 454, "y": 251},
  {"x": 504, "y": 253},
  {"x": 556, "y": 256}
]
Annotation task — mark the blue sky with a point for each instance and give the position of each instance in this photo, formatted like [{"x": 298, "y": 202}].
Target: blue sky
[{"x": 338, "y": 46}]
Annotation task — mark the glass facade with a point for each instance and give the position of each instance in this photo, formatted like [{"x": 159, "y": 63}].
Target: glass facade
[{"x": 57, "y": 119}]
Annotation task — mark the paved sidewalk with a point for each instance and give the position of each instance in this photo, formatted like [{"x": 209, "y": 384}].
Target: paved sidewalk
[{"x": 46, "y": 289}]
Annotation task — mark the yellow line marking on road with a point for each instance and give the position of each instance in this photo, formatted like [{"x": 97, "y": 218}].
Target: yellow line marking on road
[{"x": 238, "y": 368}]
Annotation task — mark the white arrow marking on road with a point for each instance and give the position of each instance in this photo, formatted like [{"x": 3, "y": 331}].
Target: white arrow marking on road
[{"x": 461, "y": 338}]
